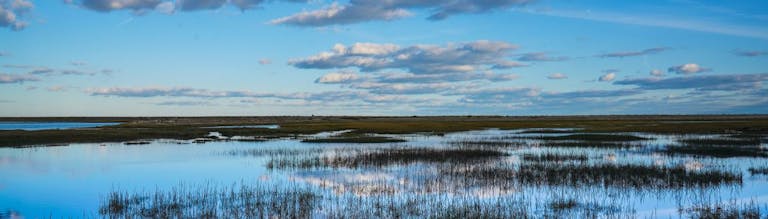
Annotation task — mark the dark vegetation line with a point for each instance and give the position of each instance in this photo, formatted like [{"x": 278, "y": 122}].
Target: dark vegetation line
[{"x": 191, "y": 127}]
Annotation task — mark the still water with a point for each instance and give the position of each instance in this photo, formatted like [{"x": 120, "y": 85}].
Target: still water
[
  {"x": 32, "y": 126},
  {"x": 75, "y": 180}
]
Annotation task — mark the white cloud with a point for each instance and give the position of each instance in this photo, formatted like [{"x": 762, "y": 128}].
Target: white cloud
[
  {"x": 417, "y": 59},
  {"x": 369, "y": 10},
  {"x": 16, "y": 78},
  {"x": 690, "y": 68},
  {"x": 12, "y": 13},
  {"x": 556, "y": 76},
  {"x": 337, "y": 78},
  {"x": 607, "y": 77},
  {"x": 657, "y": 73}
]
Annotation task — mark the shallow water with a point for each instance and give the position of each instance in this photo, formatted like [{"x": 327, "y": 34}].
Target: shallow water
[
  {"x": 74, "y": 181},
  {"x": 33, "y": 126}
]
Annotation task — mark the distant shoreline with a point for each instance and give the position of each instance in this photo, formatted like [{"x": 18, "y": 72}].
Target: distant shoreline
[{"x": 144, "y": 128}]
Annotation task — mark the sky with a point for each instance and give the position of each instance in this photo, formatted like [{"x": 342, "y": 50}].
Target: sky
[{"x": 382, "y": 57}]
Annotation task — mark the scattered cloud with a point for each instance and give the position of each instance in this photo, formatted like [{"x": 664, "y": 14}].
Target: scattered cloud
[
  {"x": 13, "y": 12},
  {"x": 607, "y": 77},
  {"x": 540, "y": 57},
  {"x": 338, "y": 78},
  {"x": 557, "y": 76},
  {"x": 357, "y": 11},
  {"x": 16, "y": 78},
  {"x": 166, "y": 6},
  {"x": 327, "y": 96},
  {"x": 657, "y": 73},
  {"x": 183, "y": 103},
  {"x": 58, "y": 88},
  {"x": 750, "y": 53},
  {"x": 702, "y": 82},
  {"x": 265, "y": 61},
  {"x": 506, "y": 64},
  {"x": 78, "y": 63},
  {"x": 592, "y": 93},
  {"x": 517, "y": 96},
  {"x": 633, "y": 53},
  {"x": 690, "y": 68},
  {"x": 418, "y": 59}
]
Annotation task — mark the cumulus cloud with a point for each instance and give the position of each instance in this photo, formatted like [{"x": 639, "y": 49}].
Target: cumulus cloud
[
  {"x": 13, "y": 12},
  {"x": 540, "y": 57},
  {"x": 657, "y": 73},
  {"x": 557, "y": 76},
  {"x": 633, "y": 53},
  {"x": 357, "y": 11},
  {"x": 607, "y": 77},
  {"x": 705, "y": 82},
  {"x": 338, "y": 78},
  {"x": 16, "y": 78},
  {"x": 690, "y": 68},
  {"x": 418, "y": 59}
]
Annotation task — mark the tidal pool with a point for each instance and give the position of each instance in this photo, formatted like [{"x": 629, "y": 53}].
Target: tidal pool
[
  {"x": 33, "y": 126},
  {"x": 489, "y": 173}
]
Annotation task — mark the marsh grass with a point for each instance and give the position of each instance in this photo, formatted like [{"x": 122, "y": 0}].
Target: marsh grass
[
  {"x": 554, "y": 157},
  {"x": 182, "y": 128},
  {"x": 208, "y": 201},
  {"x": 630, "y": 176},
  {"x": 721, "y": 141},
  {"x": 384, "y": 157},
  {"x": 717, "y": 151},
  {"x": 589, "y": 137},
  {"x": 758, "y": 170},
  {"x": 726, "y": 210},
  {"x": 485, "y": 143}
]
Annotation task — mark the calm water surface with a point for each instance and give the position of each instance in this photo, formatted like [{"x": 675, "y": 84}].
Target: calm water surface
[
  {"x": 71, "y": 181},
  {"x": 32, "y": 126}
]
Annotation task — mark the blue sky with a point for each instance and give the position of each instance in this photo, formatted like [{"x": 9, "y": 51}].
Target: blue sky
[{"x": 371, "y": 57}]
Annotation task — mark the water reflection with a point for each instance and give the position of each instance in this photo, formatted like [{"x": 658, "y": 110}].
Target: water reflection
[{"x": 491, "y": 173}]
